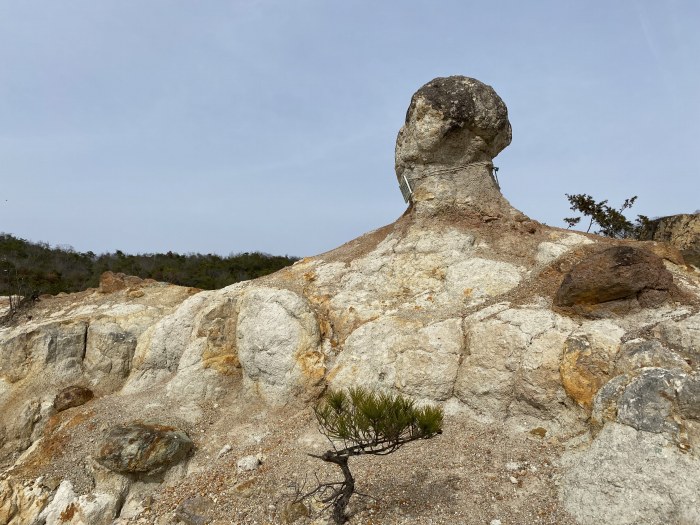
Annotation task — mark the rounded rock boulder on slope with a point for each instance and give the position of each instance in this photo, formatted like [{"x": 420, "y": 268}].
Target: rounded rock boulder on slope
[
  {"x": 72, "y": 396},
  {"x": 141, "y": 448},
  {"x": 467, "y": 102},
  {"x": 616, "y": 274},
  {"x": 453, "y": 119}
]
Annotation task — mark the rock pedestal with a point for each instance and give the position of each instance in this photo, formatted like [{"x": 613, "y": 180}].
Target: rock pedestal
[
  {"x": 516, "y": 328},
  {"x": 454, "y": 128}
]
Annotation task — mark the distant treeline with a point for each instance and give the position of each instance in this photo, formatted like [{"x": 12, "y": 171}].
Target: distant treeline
[{"x": 27, "y": 268}]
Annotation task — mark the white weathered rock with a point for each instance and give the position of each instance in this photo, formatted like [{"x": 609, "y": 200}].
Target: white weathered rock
[
  {"x": 278, "y": 342},
  {"x": 56, "y": 347},
  {"x": 248, "y": 463},
  {"x": 478, "y": 278},
  {"x": 160, "y": 348},
  {"x": 558, "y": 246},
  {"x": 628, "y": 477},
  {"x": 511, "y": 366},
  {"x": 62, "y": 499},
  {"x": 398, "y": 353},
  {"x": 22, "y": 504}
]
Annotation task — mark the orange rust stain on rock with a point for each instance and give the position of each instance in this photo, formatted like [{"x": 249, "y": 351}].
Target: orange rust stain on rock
[
  {"x": 68, "y": 513},
  {"x": 79, "y": 418},
  {"x": 583, "y": 373},
  {"x": 55, "y": 439},
  {"x": 225, "y": 364},
  {"x": 311, "y": 364}
]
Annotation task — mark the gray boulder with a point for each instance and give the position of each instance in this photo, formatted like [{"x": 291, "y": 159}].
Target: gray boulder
[{"x": 648, "y": 402}]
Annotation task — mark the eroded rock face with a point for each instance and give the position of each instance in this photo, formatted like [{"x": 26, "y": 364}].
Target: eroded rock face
[
  {"x": 681, "y": 231},
  {"x": 278, "y": 340},
  {"x": 22, "y": 503},
  {"x": 142, "y": 448}
]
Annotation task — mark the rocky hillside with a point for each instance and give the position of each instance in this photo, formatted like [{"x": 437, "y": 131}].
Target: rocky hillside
[
  {"x": 567, "y": 365},
  {"x": 682, "y": 231}
]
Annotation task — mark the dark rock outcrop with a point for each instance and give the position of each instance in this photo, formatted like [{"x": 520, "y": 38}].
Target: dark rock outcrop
[
  {"x": 620, "y": 273},
  {"x": 72, "y": 396},
  {"x": 142, "y": 448}
]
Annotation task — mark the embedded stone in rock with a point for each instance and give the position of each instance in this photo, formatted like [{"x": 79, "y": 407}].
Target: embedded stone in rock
[
  {"x": 194, "y": 511},
  {"x": 584, "y": 368},
  {"x": 72, "y": 396},
  {"x": 142, "y": 448},
  {"x": 647, "y": 402},
  {"x": 640, "y": 353},
  {"x": 617, "y": 273},
  {"x": 604, "y": 408}
]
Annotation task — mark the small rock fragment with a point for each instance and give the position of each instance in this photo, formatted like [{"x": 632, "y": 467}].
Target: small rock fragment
[
  {"x": 72, "y": 396},
  {"x": 224, "y": 450},
  {"x": 248, "y": 463},
  {"x": 194, "y": 510}
]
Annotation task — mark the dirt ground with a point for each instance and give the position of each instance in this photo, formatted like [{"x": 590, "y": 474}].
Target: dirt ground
[{"x": 471, "y": 474}]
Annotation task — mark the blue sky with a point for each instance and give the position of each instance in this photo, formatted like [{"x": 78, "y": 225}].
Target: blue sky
[{"x": 232, "y": 126}]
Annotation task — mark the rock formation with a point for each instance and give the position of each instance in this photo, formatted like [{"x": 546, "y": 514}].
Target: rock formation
[
  {"x": 454, "y": 128},
  {"x": 681, "y": 231},
  {"x": 555, "y": 338}
]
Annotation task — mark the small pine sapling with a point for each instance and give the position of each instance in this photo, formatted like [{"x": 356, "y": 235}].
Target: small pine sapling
[{"x": 360, "y": 422}]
